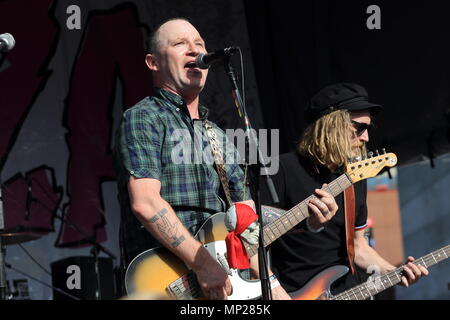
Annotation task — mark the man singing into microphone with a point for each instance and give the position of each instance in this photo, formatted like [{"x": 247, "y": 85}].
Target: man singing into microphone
[{"x": 164, "y": 202}]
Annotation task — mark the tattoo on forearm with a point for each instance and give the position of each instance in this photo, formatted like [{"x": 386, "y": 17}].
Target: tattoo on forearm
[
  {"x": 177, "y": 241},
  {"x": 170, "y": 231},
  {"x": 159, "y": 214}
]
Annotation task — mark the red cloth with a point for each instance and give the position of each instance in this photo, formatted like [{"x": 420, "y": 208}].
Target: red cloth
[{"x": 236, "y": 253}]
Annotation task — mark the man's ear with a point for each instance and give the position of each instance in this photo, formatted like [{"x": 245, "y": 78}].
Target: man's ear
[{"x": 150, "y": 61}]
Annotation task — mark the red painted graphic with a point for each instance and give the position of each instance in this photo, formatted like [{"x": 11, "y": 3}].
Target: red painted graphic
[
  {"x": 111, "y": 50},
  {"x": 112, "y": 46}
]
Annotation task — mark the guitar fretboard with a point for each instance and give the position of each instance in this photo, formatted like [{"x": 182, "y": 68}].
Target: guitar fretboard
[
  {"x": 297, "y": 214},
  {"x": 391, "y": 278}
]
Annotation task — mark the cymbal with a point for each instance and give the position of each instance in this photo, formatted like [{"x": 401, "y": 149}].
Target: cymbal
[{"x": 9, "y": 238}]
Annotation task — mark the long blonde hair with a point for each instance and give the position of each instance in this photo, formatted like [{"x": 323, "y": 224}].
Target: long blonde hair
[{"x": 327, "y": 140}]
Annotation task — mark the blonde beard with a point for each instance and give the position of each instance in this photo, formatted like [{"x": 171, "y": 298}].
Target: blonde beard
[{"x": 359, "y": 150}]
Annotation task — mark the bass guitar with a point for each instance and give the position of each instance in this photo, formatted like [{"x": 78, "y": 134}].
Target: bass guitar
[{"x": 318, "y": 288}]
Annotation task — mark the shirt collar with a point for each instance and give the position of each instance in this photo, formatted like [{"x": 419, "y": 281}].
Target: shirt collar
[{"x": 179, "y": 102}]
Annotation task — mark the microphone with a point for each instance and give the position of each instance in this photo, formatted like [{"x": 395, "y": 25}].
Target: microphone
[
  {"x": 7, "y": 42},
  {"x": 204, "y": 60}
]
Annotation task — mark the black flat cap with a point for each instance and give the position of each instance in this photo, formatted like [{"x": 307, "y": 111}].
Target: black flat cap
[{"x": 339, "y": 96}]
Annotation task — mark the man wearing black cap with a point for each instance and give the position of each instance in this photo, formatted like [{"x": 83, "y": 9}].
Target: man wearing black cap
[{"x": 339, "y": 118}]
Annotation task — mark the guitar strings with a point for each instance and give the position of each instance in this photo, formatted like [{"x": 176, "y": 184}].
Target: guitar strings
[{"x": 393, "y": 275}]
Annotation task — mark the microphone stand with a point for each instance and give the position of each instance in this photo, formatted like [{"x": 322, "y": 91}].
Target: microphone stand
[
  {"x": 95, "y": 251},
  {"x": 253, "y": 141},
  {"x": 2, "y": 252}
]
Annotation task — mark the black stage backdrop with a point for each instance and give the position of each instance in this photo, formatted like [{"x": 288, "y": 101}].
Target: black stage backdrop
[{"x": 300, "y": 46}]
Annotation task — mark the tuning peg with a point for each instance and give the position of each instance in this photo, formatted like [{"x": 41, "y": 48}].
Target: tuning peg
[
  {"x": 370, "y": 154},
  {"x": 383, "y": 150},
  {"x": 377, "y": 152}
]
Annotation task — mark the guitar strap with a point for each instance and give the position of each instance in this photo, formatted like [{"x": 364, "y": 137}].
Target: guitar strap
[
  {"x": 218, "y": 160},
  {"x": 349, "y": 208}
]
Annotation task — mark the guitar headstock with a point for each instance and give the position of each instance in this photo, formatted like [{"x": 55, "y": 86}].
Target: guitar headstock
[{"x": 370, "y": 167}]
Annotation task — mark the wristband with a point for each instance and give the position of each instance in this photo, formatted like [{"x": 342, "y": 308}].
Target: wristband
[{"x": 274, "y": 282}]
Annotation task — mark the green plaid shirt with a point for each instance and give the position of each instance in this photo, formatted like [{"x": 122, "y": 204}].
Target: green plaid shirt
[{"x": 158, "y": 139}]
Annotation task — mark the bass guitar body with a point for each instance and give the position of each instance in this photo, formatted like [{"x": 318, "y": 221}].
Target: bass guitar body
[{"x": 318, "y": 288}]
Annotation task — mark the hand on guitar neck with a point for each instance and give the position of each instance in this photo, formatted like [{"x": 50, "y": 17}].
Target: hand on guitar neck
[
  {"x": 412, "y": 272},
  {"x": 322, "y": 208},
  {"x": 366, "y": 257}
]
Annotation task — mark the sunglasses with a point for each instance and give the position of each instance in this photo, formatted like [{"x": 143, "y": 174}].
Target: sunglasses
[{"x": 361, "y": 127}]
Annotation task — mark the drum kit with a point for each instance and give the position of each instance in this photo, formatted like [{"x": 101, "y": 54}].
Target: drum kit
[
  {"x": 25, "y": 231},
  {"x": 12, "y": 235}
]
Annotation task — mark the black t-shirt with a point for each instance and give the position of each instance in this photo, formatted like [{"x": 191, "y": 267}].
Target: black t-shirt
[{"x": 300, "y": 254}]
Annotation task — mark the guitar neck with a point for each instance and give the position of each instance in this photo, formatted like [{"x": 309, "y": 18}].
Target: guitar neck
[
  {"x": 391, "y": 278},
  {"x": 297, "y": 214}
]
